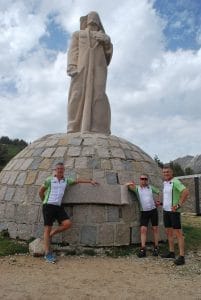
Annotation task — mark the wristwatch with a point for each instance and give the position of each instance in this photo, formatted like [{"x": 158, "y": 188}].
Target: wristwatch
[{"x": 178, "y": 206}]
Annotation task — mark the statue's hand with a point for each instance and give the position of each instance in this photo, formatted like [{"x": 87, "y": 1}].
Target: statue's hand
[
  {"x": 101, "y": 37},
  {"x": 72, "y": 70}
]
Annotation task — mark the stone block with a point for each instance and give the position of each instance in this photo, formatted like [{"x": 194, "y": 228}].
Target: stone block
[
  {"x": 37, "y": 230},
  {"x": 125, "y": 176},
  {"x": 38, "y": 151},
  {"x": 102, "y": 142},
  {"x": 148, "y": 168},
  {"x": 72, "y": 235},
  {"x": 21, "y": 215},
  {"x": 84, "y": 174},
  {"x": 162, "y": 234},
  {"x": 76, "y": 141},
  {"x": 128, "y": 165},
  {"x": 122, "y": 234},
  {"x": 26, "y": 163},
  {"x": 32, "y": 214},
  {"x": 24, "y": 231},
  {"x": 60, "y": 152},
  {"x": 80, "y": 214},
  {"x": 137, "y": 156},
  {"x": 29, "y": 153},
  {"x": 71, "y": 173},
  {"x": 112, "y": 213},
  {"x": 18, "y": 164},
  {"x": 10, "y": 211},
  {"x": 97, "y": 214},
  {"x": 98, "y": 174},
  {"x": 74, "y": 151},
  {"x": 111, "y": 178},
  {"x": 3, "y": 189},
  {"x": 36, "y": 248},
  {"x": 94, "y": 163},
  {"x": 45, "y": 163},
  {"x": 105, "y": 164},
  {"x": 12, "y": 177},
  {"x": 12, "y": 229},
  {"x": 138, "y": 167},
  {"x": 31, "y": 177},
  {"x": 41, "y": 144},
  {"x": 32, "y": 194},
  {"x": 20, "y": 195},
  {"x": 69, "y": 163},
  {"x": 2, "y": 211},
  {"x": 48, "y": 152},
  {"x": 88, "y": 235},
  {"x": 102, "y": 152},
  {"x": 117, "y": 164},
  {"x": 81, "y": 162},
  {"x": 21, "y": 178},
  {"x": 5, "y": 176},
  {"x": 125, "y": 146},
  {"x": 117, "y": 153},
  {"x": 129, "y": 213},
  {"x": 135, "y": 234},
  {"x": 114, "y": 143},
  {"x": 36, "y": 162},
  {"x": 63, "y": 141},
  {"x": 9, "y": 193},
  {"x": 42, "y": 175},
  {"x": 51, "y": 142},
  {"x": 106, "y": 235},
  {"x": 99, "y": 194},
  {"x": 88, "y": 141},
  {"x": 10, "y": 165},
  {"x": 69, "y": 211},
  {"x": 88, "y": 151}
]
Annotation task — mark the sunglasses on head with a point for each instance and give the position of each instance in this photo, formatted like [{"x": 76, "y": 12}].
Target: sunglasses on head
[{"x": 143, "y": 178}]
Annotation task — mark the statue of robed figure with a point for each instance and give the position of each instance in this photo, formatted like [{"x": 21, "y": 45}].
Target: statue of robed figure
[{"x": 89, "y": 55}]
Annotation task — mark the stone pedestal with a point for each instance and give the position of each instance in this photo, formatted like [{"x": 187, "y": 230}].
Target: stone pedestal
[{"x": 103, "y": 215}]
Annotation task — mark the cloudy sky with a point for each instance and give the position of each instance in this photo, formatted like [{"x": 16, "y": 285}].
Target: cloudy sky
[{"x": 154, "y": 79}]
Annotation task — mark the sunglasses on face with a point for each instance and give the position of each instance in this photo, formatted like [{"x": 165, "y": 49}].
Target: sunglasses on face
[{"x": 142, "y": 178}]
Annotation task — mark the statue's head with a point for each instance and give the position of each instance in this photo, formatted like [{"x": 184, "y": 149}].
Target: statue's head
[{"x": 92, "y": 21}]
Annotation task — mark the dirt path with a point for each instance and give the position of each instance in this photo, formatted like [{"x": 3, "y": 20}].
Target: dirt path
[{"x": 29, "y": 278}]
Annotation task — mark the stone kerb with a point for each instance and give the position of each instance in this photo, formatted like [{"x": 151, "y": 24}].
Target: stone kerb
[{"x": 110, "y": 160}]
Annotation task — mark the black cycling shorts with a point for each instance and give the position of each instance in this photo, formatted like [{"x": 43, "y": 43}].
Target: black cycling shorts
[
  {"x": 151, "y": 215},
  {"x": 172, "y": 219},
  {"x": 52, "y": 213}
]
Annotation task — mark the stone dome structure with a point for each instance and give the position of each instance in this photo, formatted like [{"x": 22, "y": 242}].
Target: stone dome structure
[{"x": 103, "y": 215}]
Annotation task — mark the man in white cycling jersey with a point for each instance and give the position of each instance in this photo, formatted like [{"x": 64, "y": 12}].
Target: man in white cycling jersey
[{"x": 51, "y": 193}]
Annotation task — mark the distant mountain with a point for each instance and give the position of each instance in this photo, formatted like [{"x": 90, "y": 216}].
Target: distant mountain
[{"x": 188, "y": 161}]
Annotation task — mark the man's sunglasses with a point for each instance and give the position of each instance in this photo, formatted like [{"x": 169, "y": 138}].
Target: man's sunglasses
[{"x": 142, "y": 178}]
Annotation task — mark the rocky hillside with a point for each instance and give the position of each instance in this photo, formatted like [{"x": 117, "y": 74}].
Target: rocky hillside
[{"x": 188, "y": 161}]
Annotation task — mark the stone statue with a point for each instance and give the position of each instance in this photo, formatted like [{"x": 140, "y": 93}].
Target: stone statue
[{"x": 89, "y": 55}]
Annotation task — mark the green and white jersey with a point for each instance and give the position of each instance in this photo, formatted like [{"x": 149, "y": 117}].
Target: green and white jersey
[
  {"x": 172, "y": 190},
  {"x": 55, "y": 189},
  {"x": 145, "y": 196}
]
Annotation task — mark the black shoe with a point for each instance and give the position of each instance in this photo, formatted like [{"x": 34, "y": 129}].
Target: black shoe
[
  {"x": 142, "y": 253},
  {"x": 179, "y": 261},
  {"x": 168, "y": 255},
  {"x": 155, "y": 251}
]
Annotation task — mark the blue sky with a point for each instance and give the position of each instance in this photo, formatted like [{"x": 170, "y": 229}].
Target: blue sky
[{"x": 154, "y": 79}]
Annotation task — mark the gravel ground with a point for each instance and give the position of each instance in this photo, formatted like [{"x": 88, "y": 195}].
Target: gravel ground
[{"x": 24, "y": 277}]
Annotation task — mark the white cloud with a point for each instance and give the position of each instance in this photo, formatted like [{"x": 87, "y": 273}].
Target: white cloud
[{"x": 154, "y": 93}]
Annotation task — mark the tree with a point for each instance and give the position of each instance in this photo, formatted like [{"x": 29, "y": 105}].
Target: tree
[
  {"x": 188, "y": 171},
  {"x": 177, "y": 169},
  {"x": 3, "y": 156},
  {"x": 157, "y": 160}
]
